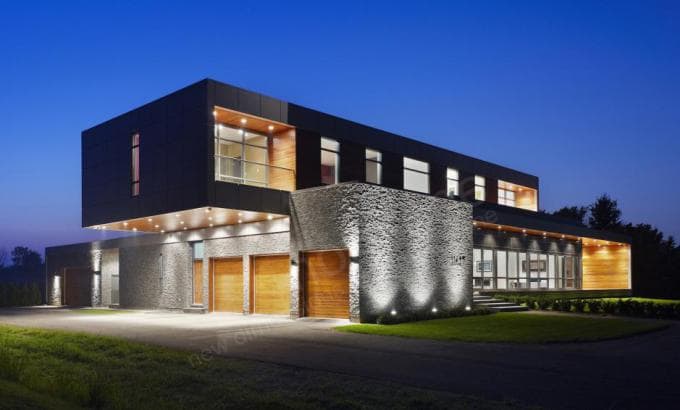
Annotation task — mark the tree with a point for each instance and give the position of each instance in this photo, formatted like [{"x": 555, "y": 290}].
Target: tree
[
  {"x": 574, "y": 213},
  {"x": 605, "y": 214},
  {"x": 25, "y": 259},
  {"x": 3, "y": 257}
]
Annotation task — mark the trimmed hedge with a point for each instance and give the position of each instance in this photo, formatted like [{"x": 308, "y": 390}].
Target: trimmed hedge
[
  {"x": 623, "y": 307},
  {"x": 13, "y": 294},
  {"x": 390, "y": 319}
]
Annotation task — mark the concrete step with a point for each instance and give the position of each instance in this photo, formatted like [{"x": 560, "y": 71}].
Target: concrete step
[
  {"x": 196, "y": 309},
  {"x": 514, "y": 308},
  {"x": 489, "y": 300},
  {"x": 495, "y": 304}
]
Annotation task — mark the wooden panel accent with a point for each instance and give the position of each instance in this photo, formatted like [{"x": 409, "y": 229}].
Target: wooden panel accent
[
  {"x": 606, "y": 267},
  {"x": 326, "y": 289},
  {"x": 198, "y": 282},
  {"x": 255, "y": 123},
  {"x": 282, "y": 159},
  {"x": 226, "y": 285},
  {"x": 526, "y": 198},
  {"x": 78, "y": 286},
  {"x": 270, "y": 279}
]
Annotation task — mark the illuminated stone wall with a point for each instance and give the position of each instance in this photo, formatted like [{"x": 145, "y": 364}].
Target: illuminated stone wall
[{"x": 408, "y": 252}]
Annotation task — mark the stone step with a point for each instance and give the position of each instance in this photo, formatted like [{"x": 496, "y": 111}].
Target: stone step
[
  {"x": 514, "y": 308},
  {"x": 490, "y": 300},
  {"x": 199, "y": 310},
  {"x": 495, "y": 304}
]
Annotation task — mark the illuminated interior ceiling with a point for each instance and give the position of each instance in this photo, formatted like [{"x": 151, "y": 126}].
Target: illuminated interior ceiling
[
  {"x": 525, "y": 197},
  {"x": 198, "y": 218},
  {"x": 584, "y": 240},
  {"x": 251, "y": 122}
]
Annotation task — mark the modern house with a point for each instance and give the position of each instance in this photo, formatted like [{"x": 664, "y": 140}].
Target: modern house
[{"x": 240, "y": 202}]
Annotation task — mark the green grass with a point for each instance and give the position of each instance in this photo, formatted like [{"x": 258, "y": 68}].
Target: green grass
[
  {"x": 99, "y": 311},
  {"x": 514, "y": 328},
  {"x": 56, "y": 369}
]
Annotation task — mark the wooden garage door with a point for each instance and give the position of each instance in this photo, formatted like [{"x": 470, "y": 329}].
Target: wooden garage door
[
  {"x": 226, "y": 285},
  {"x": 77, "y": 287},
  {"x": 327, "y": 284},
  {"x": 271, "y": 284}
]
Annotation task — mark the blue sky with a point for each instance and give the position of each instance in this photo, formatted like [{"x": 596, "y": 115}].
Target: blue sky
[{"x": 586, "y": 95}]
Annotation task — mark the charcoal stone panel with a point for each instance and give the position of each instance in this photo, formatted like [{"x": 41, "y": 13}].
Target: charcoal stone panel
[{"x": 408, "y": 252}]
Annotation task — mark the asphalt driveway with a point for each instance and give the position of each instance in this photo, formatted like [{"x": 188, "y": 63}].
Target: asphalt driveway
[{"x": 636, "y": 372}]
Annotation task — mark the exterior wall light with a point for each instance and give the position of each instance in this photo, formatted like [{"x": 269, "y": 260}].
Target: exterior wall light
[
  {"x": 393, "y": 312},
  {"x": 468, "y": 308},
  {"x": 434, "y": 310}
]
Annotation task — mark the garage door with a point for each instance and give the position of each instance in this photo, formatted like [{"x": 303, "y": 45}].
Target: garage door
[
  {"x": 77, "y": 287},
  {"x": 327, "y": 284},
  {"x": 271, "y": 284},
  {"x": 226, "y": 285}
]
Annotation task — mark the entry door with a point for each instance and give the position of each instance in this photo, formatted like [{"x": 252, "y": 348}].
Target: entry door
[
  {"x": 270, "y": 284},
  {"x": 226, "y": 285},
  {"x": 78, "y": 287},
  {"x": 326, "y": 284}
]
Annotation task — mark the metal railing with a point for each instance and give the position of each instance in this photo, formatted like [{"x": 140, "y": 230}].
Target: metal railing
[{"x": 239, "y": 171}]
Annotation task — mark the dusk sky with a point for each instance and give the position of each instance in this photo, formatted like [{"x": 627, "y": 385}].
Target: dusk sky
[{"x": 585, "y": 95}]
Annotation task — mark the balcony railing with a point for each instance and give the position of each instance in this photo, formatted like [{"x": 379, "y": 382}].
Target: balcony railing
[{"x": 239, "y": 171}]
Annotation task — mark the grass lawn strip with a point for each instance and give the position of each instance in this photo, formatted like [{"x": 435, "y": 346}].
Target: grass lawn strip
[
  {"x": 514, "y": 328},
  {"x": 58, "y": 369}
]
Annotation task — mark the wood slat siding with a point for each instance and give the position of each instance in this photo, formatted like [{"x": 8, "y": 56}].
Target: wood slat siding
[
  {"x": 326, "y": 290},
  {"x": 198, "y": 282},
  {"x": 226, "y": 285},
  {"x": 77, "y": 287},
  {"x": 282, "y": 154},
  {"x": 605, "y": 267},
  {"x": 271, "y": 284}
]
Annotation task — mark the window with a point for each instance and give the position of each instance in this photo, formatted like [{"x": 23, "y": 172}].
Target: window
[
  {"x": 452, "y": 182},
  {"x": 501, "y": 269},
  {"x": 416, "y": 175},
  {"x": 197, "y": 272},
  {"x": 506, "y": 197},
  {"x": 373, "y": 166},
  {"x": 330, "y": 161},
  {"x": 240, "y": 156},
  {"x": 483, "y": 272},
  {"x": 134, "y": 168},
  {"x": 480, "y": 188}
]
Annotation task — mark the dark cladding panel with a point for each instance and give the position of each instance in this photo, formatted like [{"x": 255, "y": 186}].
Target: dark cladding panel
[
  {"x": 492, "y": 190},
  {"x": 393, "y": 170},
  {"x": 271, "y": 108},
  {"x": 308, "y": 159},
  {"x": 438, "y": 180},
  {"x": 249, "y": 102},
  {"x": 352, "y": 162},
  {"x": 467, "y": 185}
]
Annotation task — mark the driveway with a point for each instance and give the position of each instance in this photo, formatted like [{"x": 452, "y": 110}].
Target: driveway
[{"x": 636, "y": 372}]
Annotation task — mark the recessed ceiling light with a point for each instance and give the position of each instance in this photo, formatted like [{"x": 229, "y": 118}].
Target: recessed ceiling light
[
  {"x": 176, "y": 215},
  {"x": 524, "y": 231},
  {"x": 162, "y": 231},
  {"x": 149, "y": 220},
  {"x": 210, "y": 218},
  {"x": 206, "y": 210},
  {"x": 243, "y": 121},
  {"x": 211, "y": 225},
  {"x": 240, "y": 214},
  {"x": 125, "y": 224},
  {"x": 104, "y": 227},
  {"x": 271, "y": 128},
  {"x": 181, "y": 222},
  {"x": 156, "y": 226},
  {"x": 239, "y": 221},
  {"x": 134, "y": 229},
  {"x": 185, "y": 228},
  {"x": 214, "y": 113},
  {"x": 270, "y": 217}
]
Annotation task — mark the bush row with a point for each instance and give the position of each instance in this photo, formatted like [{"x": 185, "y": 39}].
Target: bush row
[
  {"x": 623, "y": 307},
  {"x": 390, "y": 319},
  {"x": 14, "y": 294}
]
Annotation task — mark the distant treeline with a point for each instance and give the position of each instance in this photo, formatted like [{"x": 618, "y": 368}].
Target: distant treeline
[{"x": 22, "y": 277}]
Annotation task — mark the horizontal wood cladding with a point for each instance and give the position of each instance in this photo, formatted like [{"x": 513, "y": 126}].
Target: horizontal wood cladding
[
  {"x": 226, "y": 285},
  {"x": 282, "y": 161},
  {"x": 605, "y": 267},
  {"x": 326, "y": 284},
  {"x": 270, "y": 284}
]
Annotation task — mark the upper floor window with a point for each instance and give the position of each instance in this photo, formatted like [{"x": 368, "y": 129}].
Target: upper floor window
[
  {"x": 240, "y": 156},
  {"x": 416, "y": 175},
  {"x": 330, "y": 161},
  {"x": 506, "y": 197},
  {"x": 134, "y": 168},
  {"x": 373, "y": 166},
  {"x": 480, "y": 188},
  {"x": 452, "y": 185}
]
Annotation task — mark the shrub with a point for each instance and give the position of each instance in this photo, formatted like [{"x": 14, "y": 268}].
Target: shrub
[
  {"x": 579, "y": 305},
  {"x": 543, "y": 303},
  {"x": 594, "y": 306}
]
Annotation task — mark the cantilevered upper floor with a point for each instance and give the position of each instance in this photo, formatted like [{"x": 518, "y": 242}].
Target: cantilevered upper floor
[{"x": 213, "y": 154}]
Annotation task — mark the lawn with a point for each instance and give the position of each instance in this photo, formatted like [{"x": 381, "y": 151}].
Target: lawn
[
  {"x": 645, "y": 300},
  {"x": 514, "y": 328},
  {"x": 57, "y": 369}
]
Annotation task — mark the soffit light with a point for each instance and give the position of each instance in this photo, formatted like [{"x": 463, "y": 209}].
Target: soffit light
[{"x": 243, "y": 120}]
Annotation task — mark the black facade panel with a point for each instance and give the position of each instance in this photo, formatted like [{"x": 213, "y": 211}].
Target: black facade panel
[
  {"x": 393, "y": 170},
  {"x": 352, "y": 162},
  {"x": 308, "y": 159},
  {"x": 438, "y": 180},
  {"x": 249, "y": 102},
  {"x": 271, "y": 108},
  {"x": 491, "y": 190},
  {"x": 467, "y": 185}
]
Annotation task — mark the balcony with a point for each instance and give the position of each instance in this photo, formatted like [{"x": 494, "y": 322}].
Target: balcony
[{"x": 238, "y": 171}]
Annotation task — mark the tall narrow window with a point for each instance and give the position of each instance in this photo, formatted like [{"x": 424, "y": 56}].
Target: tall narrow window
[
  {"x": 480, "y": 188},
  {"x": 330, "y": 161},
  {"x": 134, "y": 169},
  {"x": 451, "y": 182},
  {"x": 416, "y": 175},
  {"x": 197, "y": 250},
  {"x": 373, "y": 166}
]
